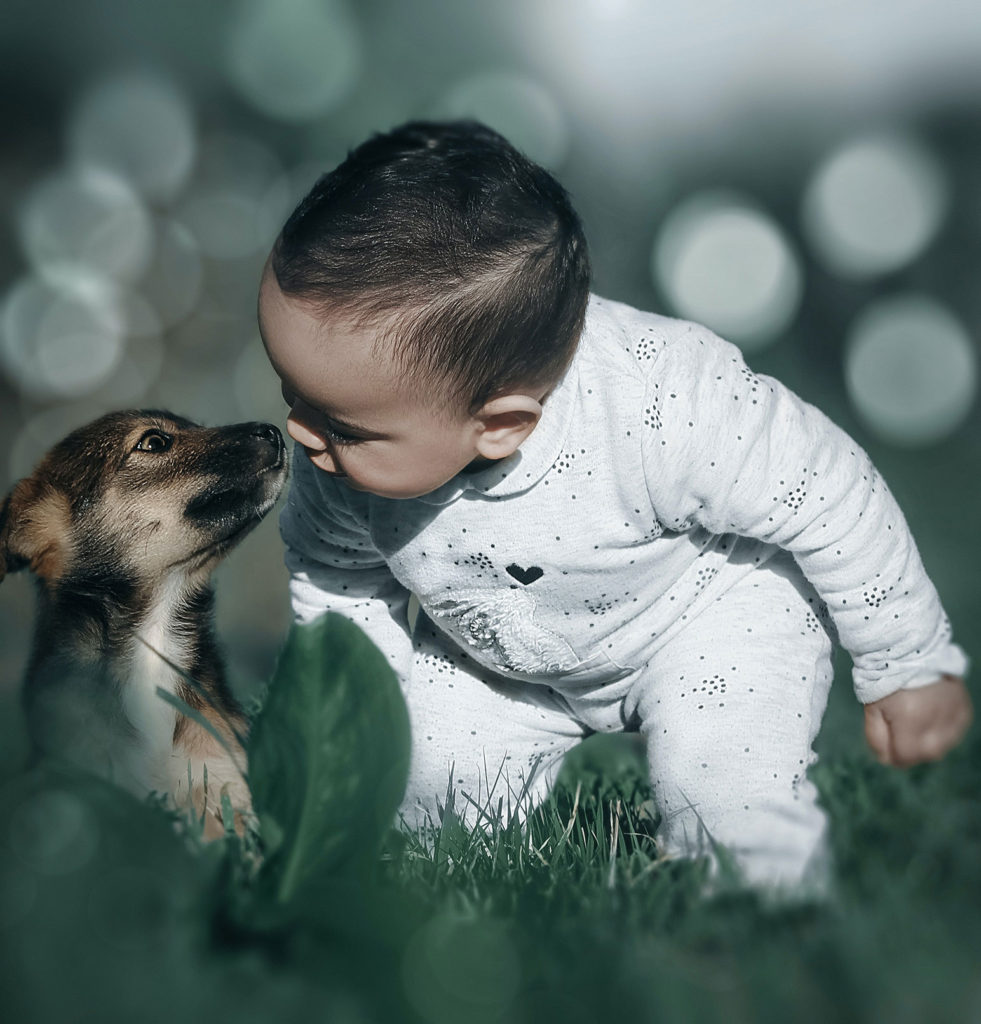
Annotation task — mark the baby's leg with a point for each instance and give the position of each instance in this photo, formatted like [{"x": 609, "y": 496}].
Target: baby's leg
[
  {"x": 497, "y": 743},
  {"x": 730, "y": 708}
]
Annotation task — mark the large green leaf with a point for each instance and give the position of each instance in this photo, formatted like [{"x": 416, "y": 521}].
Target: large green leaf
[{"x": 328, "y": 756}]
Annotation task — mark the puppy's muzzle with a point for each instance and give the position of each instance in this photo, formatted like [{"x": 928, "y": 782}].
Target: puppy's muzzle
[{"x": 243, "y": 476}]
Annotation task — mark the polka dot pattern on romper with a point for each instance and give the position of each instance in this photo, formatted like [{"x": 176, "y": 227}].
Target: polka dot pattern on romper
[
  {"x": 652, "y": 416},
  {"x": 796, "y": 497},
  {"x": 478, "y": 561},
  {"x": 876, "y": 595},
  {"x": 704, "y": 577},
  {"x": 599, "y": 606},
  {"x": 566, "y": 460},
  {"x": 644, "y": 350}
]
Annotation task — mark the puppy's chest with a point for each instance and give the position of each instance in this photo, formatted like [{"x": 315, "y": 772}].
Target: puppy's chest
[{"x": 155, "y": 643}]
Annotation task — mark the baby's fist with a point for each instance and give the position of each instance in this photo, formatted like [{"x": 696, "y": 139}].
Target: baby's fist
[{"x": 911, "y": 726}]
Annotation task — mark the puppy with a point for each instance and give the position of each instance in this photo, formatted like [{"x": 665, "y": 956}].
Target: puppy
[{"x": 122, "y": 524}]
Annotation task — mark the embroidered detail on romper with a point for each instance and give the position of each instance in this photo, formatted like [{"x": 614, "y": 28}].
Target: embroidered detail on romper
[
  {"x": 525, "y": 576},
  {"x": 503, "y": 628},
  {"x": 704, "y": 577}
]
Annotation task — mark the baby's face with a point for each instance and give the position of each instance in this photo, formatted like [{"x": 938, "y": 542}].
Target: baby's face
[{"x": 350, "y": 407}]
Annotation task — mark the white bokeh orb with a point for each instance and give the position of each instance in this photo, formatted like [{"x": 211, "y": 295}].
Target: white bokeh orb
[
  {"x": 874, "y": 204},
  {"x": 725, "y": 263},
  {"x": 294, "y": 60},
  {"x": 86, "y": 220},
  {"x": 142, "y": 357},
  {"x": 172, "y": 281},
  {"x": 910, "y": 370},
  {"x": 229, "y": 206},
  {"x": 60, "y": 341},
  {"x": 140, "y": 127},
  {"x": 518, "y": 107}
]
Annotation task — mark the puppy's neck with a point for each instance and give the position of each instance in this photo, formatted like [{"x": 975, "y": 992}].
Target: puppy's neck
[{"x": 119, "y": 642}]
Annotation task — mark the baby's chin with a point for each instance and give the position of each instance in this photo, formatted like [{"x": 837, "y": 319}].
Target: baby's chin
[
  {"x": 408, "y": 491},
  {"x": 405, "y": 495},
  {"x": 396, "y": 494}
]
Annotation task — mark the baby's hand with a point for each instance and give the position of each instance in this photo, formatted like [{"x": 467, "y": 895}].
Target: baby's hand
[{"x": 910, "y": 726}]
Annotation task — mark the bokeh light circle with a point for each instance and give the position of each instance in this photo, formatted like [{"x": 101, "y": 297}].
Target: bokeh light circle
[
  {"x": 461, "y": 970},
  {"x": 139, "y": 126},
  {"x": 231, "y": 205},
  {"x": 910, "y": 370},
  {"x": 294, "y": 59},
  {"x": 59, "y": 342},
  {"x": 518, "y": 107},
  {"x": 54, "y": 832},
  {"x": 86, "y": 221},
  {"x": 874, "y": 204},
  {"x": 725, "y": 263},
  {"x": 141, "y": 359},
  {"x": 172, "y": 282}
]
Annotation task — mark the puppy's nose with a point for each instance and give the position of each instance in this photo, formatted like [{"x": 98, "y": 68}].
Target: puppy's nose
[{"x": 267, "y": 432}]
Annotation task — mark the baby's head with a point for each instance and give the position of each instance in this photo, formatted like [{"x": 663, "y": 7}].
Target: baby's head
[{"x": 420, "y": 303}]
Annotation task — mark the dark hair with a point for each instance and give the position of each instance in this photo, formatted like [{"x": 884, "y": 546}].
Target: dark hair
[{"x": 469, "y": 253}]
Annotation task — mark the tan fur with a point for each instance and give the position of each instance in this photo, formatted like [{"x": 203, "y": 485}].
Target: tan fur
[
  {"x": 196, "y": 744},
  {"x": 36, "y": 530},
  {"x": 48, "y": 536}
]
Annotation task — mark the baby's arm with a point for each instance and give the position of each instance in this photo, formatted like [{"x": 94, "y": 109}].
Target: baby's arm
[
  {"x": 335, "y": 567},
  {"x": 737, "y": 452}
]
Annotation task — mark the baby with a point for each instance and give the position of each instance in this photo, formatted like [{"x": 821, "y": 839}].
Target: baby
[{"x": 609, "y": 521}]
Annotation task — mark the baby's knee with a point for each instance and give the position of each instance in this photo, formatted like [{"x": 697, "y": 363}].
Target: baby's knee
[{"x": 775, "y": 838}]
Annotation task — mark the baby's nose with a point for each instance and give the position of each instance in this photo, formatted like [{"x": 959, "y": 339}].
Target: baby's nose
[{"x": 304, "y": 435}]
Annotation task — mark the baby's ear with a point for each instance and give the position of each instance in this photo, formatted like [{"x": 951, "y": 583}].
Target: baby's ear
[
  {"x": 505, "y": 422},
  {"x": 34, "y": 522}
]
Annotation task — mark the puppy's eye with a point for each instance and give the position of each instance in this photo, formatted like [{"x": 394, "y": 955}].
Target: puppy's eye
[{"x": 153, "y": 441}]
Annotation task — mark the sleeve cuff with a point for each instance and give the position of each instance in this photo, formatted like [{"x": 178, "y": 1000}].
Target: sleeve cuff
[{"x": 947, "y": 660}]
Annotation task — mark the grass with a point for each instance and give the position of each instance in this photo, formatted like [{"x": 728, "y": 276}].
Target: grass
[{"x": 107, "y": 912}]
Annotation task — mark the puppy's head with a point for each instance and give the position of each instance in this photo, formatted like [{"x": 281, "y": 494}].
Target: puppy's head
[{"x": 135, "y": 494}]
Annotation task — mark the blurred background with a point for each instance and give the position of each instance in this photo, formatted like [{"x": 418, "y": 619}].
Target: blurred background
[{"x": 804, "y": 178}]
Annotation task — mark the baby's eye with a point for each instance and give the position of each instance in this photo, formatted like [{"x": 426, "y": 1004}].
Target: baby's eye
[{"x": 339, "y": 437}]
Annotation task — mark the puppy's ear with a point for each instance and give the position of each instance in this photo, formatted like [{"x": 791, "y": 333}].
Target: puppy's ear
[{"x": 34, "y": 530}]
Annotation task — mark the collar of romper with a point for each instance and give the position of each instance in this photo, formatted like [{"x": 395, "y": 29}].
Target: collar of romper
[{"x": 536, "y": 456}]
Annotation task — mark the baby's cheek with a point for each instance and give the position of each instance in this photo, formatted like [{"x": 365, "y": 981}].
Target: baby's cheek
[{"x": 322, "y": 460}]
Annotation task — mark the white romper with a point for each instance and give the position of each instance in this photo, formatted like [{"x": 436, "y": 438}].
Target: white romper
[{"x": 672, "y": 550}]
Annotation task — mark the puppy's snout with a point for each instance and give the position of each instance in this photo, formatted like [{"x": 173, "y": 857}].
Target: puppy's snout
[
  {"x": 271, "y": 435},
  {"x": 267, "y": 432}
]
